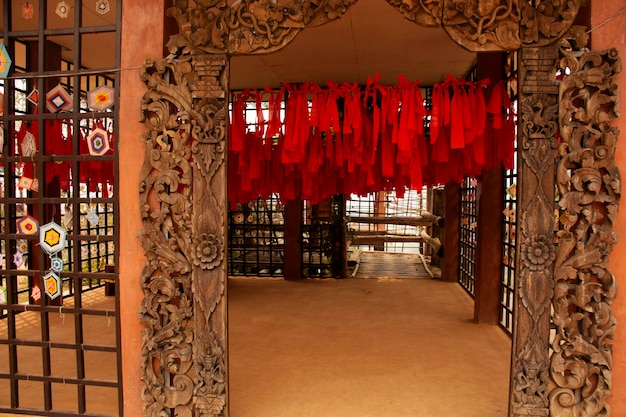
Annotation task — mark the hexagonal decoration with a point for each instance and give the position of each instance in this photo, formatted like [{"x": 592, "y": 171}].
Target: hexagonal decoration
[
  {"x": 100, "y": 98},
  {"x": 102, "y": 6},
  {"x": 33, "y": 96},
  {"x": 63, "y": 10},
  {"x": 28, "y": 10},
  {"x": 5, "y": 61},
  {"x": 35, "y": 293},
  {"x": 27, "y": 225},
  {"x": 52, "y": 284},
  {"x": 18, "y": 259},
  {"x": 52, "y": 237},
  {"x": 25, "y": 183},
  {"x": 58, "y": 99},
  {"x": 98, "y": 142},
  {"x": 56, "y": 264},
  {"x": 29, "y": 145}
]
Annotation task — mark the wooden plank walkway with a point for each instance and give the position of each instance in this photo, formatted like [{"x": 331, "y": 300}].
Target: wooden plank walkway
[{"x": 390, "y": 265}]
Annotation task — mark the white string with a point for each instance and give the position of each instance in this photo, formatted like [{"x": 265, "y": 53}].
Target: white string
[
  {"x": 607, "y": 20},
  {"x": 70, "y": 73}
]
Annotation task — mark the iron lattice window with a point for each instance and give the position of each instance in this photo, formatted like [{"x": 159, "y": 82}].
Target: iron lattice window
[
  {"x": 59, "y": 339},
  {"x": 256, "y": 238},
  {"x": 467, "y": 244},
  {"x": 507, "y": 285},
  {"x": 319, "y": 228}
]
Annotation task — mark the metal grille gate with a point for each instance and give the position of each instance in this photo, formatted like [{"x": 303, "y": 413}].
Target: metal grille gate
[{"x": 59, "y": 327}]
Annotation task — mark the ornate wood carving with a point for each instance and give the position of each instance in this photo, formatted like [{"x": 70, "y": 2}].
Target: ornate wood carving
[
  {"x": 183, "y": 196},
  {"x": 247, "y": 26},
  {"x": 538, "y": 126},
  {"x": 183, "y": 208},
  {"x": 589, "y": 182},
  {"x": 424, "y": 13},
  {"x": 545, "y": 22},
  {"x": 491, "y": 25},
  {"x": 494, "y": 25}
]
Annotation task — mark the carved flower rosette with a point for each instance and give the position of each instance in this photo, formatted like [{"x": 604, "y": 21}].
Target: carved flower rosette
[
  {"x": 207, "y": 251},
  {"x": 537, "y": 253}
]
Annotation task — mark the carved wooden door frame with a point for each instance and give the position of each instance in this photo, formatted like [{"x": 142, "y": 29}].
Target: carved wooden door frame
[{"x": 564, "y": 136}]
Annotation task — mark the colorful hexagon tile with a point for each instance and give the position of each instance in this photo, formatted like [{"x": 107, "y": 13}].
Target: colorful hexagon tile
[
  {"x": 52, "y": 237},
  {"x": 5, "y": 61},
  {"x": 27, "y": 225},
  {"x": 100, "y": 98},
  {"x": 35, "y": 293},
  {"x": 52, "y": 284},
  {"x": 98, "y": 142},
  {"x": 58, "y": 99}
]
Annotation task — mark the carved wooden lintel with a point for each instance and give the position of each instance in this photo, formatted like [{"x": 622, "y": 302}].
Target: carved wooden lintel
[
  {"x": 247, "y": 26},
  {"x": 495, "y": 25}
]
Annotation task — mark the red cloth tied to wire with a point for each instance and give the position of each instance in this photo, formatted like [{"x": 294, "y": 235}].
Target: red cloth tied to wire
[{"x": 352, "y": 140}]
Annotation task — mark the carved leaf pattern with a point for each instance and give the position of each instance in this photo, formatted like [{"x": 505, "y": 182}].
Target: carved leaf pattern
[
  {"x": 544, "y": 22},
  {"x": 185, "y": 134},
  {"x": 185, "y": 109},
  {"x": 422, "y": 12},
  {"x": 589, "y": 183},
  {"x": 247, "y": 26},
  {"x": 491, "y": 25}
]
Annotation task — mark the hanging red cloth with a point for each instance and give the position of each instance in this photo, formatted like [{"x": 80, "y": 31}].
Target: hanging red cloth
[{"x": 296, "y": 123}]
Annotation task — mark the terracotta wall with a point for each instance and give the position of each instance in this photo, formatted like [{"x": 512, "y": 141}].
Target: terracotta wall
[
  {"x": 142, "y": 26},
  {"x": 613, "y": 35}
]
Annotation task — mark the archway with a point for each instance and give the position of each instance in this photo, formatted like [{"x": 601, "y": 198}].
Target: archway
[{"x": 183, "y": 197}]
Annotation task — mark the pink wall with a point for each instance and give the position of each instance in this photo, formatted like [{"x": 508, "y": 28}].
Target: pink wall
[
  {"x": 613, "y": 35},
  {"x": 142, "y": 29}
]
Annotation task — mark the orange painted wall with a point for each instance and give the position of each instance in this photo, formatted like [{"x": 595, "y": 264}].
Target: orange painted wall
[
  {"x": 613, "y": 35},
  {"x": 144, "y": 26},
  {"x": 142, "y": 29}
]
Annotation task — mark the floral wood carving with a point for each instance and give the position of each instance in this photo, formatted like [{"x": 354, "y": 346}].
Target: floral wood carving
[
  {"x": 545, "y": 22},
  {"x": 261, "y": 26},
  {"x": 537, "y": 135},
  {"x": 589, "y": 183},
  {"x": 247, "y": 26},
  {"x": 424, "y": 13},
  {"x": 491, "y": 25},
  {"x": 182, "y": 196},
  {"x": 501, "y": 25}
]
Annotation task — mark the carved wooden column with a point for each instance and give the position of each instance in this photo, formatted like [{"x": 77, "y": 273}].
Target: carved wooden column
[
  {"x": 588, "y": 182},
  {"x": 538, "y": 126},
  {"x": 183, "y": 195}
]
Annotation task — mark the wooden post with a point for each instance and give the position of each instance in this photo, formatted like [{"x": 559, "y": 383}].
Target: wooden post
[
  {"x": 490, "y": 226},
  {"x": 292, "y": 269},
  {"x": 48, "y": 187},
  {"x": 450, "y": 268},
  {"x": 379, "y": 211},
  {"x": 489, "y": 247}
]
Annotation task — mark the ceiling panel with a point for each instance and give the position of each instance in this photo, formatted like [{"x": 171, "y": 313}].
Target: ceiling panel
[{"x": 372, "y": 37}]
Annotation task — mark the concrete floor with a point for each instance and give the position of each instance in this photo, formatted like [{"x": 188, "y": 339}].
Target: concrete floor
[
  {"x": 327, "y": 348},
  {"x": 362, "y": 347}
]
